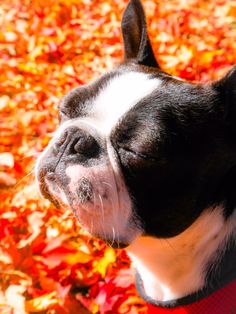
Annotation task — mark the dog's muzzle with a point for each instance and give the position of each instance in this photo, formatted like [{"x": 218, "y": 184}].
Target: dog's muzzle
[{"x": 80, "y": 170}]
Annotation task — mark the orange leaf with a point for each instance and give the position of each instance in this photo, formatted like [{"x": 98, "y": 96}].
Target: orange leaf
[
  {"x": 42, "y": 303},
  {"x": 108, "y": 258},
  {"x": 79, "y": 257}
]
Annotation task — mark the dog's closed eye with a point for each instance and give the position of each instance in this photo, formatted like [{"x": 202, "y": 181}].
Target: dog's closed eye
[{"x": 129, "y": 152}]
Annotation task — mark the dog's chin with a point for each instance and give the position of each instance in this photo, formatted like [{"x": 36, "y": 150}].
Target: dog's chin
[{"x": 88, "y": 217}]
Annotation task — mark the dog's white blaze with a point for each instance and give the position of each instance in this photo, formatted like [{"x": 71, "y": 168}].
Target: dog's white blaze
[
  {"x": 119, "y": 95},
  {"x": 105, "y": 110},
  {"x": 173, "y": 268}
]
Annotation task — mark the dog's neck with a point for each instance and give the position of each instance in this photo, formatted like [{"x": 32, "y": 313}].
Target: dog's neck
[{"x": 177, "y": 267}]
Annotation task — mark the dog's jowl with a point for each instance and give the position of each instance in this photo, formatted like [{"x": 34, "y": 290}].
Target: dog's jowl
[{"x": 148, "y": 161}]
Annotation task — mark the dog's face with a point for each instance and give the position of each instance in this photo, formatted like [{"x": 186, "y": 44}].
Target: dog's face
[{"x": 138, "y": 151}]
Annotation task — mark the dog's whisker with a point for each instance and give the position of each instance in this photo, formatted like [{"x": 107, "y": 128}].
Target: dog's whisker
[
  {"x": 113, "y": 236},
  {"x": 24, "y": 178},
  {"x": 108, "y": 184},
  {"x": 114, "y": 213},
  {"x": 103, "y": 216},
  {"x": 102, "y": 208},
  {"x": 92, "y": 223},
  {"x": 36, "y": 154}
]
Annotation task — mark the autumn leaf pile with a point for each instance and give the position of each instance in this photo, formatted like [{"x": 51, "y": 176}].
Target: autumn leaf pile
[{"x": 47, "y": 263}]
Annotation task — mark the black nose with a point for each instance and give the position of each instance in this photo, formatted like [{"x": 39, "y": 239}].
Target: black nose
[
  {"x": 75, "y": 141},
  {"x": 85, "y": 145}
]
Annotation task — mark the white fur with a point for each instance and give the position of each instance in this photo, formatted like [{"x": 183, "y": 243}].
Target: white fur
[
  {"x": 173, "y": 268},
  {"x": 118, "y": 97}
]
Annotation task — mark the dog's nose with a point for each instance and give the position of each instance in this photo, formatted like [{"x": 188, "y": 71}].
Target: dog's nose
[
  {"x": 75, "y": 141},
  {"x": 85, "y": 145}
]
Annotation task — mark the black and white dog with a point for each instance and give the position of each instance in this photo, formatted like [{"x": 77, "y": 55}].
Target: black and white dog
[{"x": 148, "y": 161}]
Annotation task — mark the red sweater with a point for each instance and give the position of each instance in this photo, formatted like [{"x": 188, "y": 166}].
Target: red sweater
[{"x": 222, "y": 301}]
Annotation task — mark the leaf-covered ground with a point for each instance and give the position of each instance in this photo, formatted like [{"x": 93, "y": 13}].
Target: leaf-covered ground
[{"x": 47, "y": 263}]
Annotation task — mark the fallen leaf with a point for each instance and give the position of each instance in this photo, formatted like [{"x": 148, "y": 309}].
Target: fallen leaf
[{"x": 42, "y": 303}]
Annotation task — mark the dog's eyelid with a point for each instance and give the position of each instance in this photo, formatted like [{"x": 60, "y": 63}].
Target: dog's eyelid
[{"x": 137, "y": 154}]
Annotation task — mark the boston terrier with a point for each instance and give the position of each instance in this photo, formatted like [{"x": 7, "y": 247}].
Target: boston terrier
[{"x": 147, "y": 161}]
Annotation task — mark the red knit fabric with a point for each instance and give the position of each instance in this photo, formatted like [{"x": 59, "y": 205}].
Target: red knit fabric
[{"x": 222, "y": 301}]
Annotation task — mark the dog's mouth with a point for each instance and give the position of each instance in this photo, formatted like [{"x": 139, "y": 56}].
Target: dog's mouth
[
  {"x": 97, "y": 198},
  {"x": 85, "y": 212}
]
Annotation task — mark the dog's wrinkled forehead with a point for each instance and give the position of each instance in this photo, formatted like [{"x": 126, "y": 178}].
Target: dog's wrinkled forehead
[{"x": 104, "y": 102}]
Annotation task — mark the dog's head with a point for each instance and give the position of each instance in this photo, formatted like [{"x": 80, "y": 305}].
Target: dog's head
[{"x": 139, "y": 151}]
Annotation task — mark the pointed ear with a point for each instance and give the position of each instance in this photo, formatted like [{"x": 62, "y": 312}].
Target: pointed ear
[
  {"x": 226, "y": 87},
  {"x": 134, "y": 30}
]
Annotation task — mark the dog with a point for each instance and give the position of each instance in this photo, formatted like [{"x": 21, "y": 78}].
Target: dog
[{"x": 147, "y": 161}]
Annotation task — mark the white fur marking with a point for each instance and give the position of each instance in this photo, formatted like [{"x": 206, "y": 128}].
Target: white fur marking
[
  {"x": 119, "y": 96},
  {"x": 174, "y": 267}
]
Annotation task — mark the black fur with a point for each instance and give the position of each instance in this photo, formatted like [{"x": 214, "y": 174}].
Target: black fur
[{"x": 176, "y": 156}]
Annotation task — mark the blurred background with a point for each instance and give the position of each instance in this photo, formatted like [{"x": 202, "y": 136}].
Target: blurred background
[{"x": 47, "y": 263}]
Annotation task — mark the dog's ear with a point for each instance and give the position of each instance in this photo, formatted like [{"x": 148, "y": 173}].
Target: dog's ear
[
  {"x": 134, "y": 30},
  {"x": 226, "y": 87}
]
